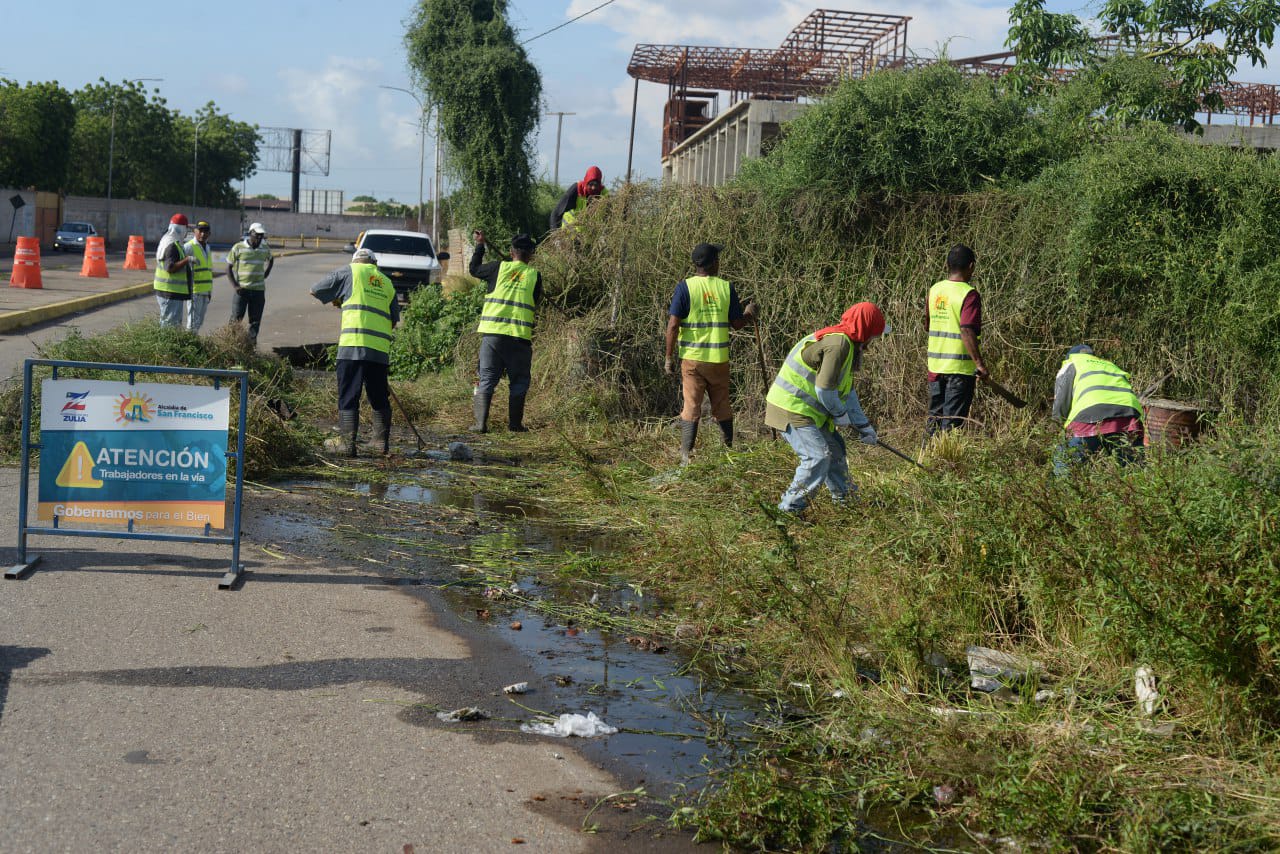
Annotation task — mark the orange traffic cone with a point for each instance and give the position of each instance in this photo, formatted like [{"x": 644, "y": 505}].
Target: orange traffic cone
[
  {"x": 135, "y": 257},
  {"x": 95, "y": 258},
  {"x": 26, "y": 264}
]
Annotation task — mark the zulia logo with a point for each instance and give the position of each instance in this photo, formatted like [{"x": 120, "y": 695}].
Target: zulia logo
[{"x": 75, "y": 401}]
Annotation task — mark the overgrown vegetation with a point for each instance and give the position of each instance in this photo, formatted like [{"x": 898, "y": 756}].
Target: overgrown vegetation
[
  {"x": 431, "y": 326},
  {"x": 1145, "y": 244},
  {"x": 283, "y": 410},
  {"x": 465, "y": 57}
]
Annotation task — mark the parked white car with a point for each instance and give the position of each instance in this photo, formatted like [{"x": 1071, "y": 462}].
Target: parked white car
[{"x": 406, "y": 257}]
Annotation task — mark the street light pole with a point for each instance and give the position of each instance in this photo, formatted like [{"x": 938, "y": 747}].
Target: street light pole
[
  {"x": 422, "y": 143},
  {"x": 555, "y": 179},
  {"x": 111, "y": 150},
  {"x": 435, "y": 192},
  {"x": 195, "y": 167}
]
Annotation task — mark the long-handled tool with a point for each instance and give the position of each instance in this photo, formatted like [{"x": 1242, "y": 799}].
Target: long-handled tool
[
  {"x": 421, "y": 442},
  {"x": 898, "y": 453},
  {"x": 853, "y": 436},
  {"x": 764, "y": 369},
  {"x": 1009, "y": 397}
]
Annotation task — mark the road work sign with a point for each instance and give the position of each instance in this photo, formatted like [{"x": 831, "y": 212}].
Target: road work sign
[{"x": 150, "y": 454}]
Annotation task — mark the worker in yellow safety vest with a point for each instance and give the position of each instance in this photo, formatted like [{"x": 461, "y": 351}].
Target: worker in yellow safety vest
[
  {"x": 172, "y": 283},
  {"x": 813, "y": 394},
  {"x": 369, "y": 312},
  {"x": 704, "y": 307},
  {"x": 197, "y": 248},
  {"x": 954, "y": 318},
  {"x": 513, "y": 290},
  {"x": 577, "y": 197},
  {"x": 1101, "y": 415}
]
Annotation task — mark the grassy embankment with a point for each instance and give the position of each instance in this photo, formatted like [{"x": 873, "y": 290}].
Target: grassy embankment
[{"x": 1152, "y": 249}]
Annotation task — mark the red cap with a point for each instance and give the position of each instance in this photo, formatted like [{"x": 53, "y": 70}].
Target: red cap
[{"x": 178, "y": 219}]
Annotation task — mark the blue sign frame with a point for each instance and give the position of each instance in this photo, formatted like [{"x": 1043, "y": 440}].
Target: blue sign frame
[{"x": 26, "y": 561}]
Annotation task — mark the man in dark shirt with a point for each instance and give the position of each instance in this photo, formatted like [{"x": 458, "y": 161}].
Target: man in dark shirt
[
  {"x": 954, "y": 320},
  {"x": 513, "y": 290}
]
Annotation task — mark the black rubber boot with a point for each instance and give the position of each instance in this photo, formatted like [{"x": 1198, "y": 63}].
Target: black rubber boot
[
  {"x": 480, "y": 403},
  {"x": 515, "y": 414},
  {"x": 726, "y": 430},
  {"x": 348, "y": 425},
  {"x": 382, "y": 431},
  {"x": 688, "y": 435}
]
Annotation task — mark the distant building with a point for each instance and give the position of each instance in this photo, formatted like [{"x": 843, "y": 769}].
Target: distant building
[{"x": 266, "y": 204}]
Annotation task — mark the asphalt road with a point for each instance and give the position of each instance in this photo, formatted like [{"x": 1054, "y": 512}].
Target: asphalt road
[{"x": 292, "y": 316}]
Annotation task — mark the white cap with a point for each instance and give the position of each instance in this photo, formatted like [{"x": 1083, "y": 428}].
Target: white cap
[
  {"x": 257, "y": 228},
  {"x": 364, "y": 256}
]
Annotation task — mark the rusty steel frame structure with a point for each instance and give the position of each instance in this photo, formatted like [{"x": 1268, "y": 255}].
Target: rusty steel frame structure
[
  {"x": 1259, "y": 101},
  {"x": 827, "y": 46}
]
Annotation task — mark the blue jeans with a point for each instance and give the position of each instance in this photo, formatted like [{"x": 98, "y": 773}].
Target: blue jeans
[
  {"x": 170, "y": 310},
  {"x": 822, "y": 461},
  {"x": 1125, "y": 448}
]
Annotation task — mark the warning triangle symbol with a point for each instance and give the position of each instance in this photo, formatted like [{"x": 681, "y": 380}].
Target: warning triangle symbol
[{"x": 78, "y": 469}]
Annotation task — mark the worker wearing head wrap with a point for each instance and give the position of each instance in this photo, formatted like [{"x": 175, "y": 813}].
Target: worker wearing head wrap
[
  {"x": 577, "y": 197},
  {"x": 172, "y": 283},
  {"x": 1094, "y": 400},
  {"x": 813, "y": 394},
  {"x": 369, "y": 312}
]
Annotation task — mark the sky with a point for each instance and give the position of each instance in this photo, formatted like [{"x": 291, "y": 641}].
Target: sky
[{"x": 320, "y": 65}]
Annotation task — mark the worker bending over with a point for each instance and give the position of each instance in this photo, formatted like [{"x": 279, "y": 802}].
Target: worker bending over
[
  {"x": 813, "y": 395},
  {"x": 1094, "y": 400}
]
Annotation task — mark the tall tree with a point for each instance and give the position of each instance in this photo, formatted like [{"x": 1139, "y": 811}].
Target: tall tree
[
  {"x": 466, "y": 58},
  {"x": 146, "y": 162},
  {"x": 221, "y": 151},
  {"x": 1195, "y": 46},
  {"x": 36, "y": 125}
]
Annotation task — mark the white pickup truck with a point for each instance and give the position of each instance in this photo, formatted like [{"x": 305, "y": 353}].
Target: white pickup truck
[{"x": 406, "y": 257}]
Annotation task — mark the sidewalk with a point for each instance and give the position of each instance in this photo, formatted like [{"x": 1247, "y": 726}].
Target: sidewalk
[{"x": 66, "y": 292}]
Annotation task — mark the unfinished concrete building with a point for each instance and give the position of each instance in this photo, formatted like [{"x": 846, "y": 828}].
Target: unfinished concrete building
[{"x": 765, "y": 87}]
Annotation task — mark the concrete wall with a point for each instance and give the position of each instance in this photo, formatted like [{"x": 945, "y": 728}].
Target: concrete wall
[
  {"x": 1261, "y": 137},
  {"x": 150, "y": 219},
  {"x": 286, "y": 224},
  {"x": 22, "y": 221},
  {"x": 714, "y": 154}
]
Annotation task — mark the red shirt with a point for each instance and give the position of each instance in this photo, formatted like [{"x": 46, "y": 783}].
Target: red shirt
[
  {"x": 970, "y": 316},
  {"x": 1106, "y": 427}
]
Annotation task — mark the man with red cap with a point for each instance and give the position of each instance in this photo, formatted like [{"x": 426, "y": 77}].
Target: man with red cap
[
  {"x": 813, "y": 395},
  {"x": 577, "y": 197},
  {"x": 173, "y": 282}
]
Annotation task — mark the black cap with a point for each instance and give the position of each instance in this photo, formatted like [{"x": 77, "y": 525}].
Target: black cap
[
  {"x": 1080, "y": 348},
  {"x": 523, "y": 242},
  {"x": 706, "y": 253}
]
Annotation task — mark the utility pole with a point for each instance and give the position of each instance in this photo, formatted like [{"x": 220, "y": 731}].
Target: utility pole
[
  {"x": 111, "y": 150},
  {"x": 559, "y": 125},
  {"x": 435, "y": 193},
  {"x": 422, "y": 142}
]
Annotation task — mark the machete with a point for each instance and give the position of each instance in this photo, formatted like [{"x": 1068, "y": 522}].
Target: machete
[{"x": 1009, "y": 397}]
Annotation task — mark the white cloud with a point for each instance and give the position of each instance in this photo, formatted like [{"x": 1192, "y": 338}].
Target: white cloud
[{"x": 331, "y": 99}]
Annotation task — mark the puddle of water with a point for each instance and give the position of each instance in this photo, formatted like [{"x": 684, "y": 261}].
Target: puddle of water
[{"x": 669, "y": 707}]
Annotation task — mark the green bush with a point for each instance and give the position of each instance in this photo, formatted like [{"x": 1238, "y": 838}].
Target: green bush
[
  {"x": 430, "y": 327},
  {"x": 933, "y": 130}
]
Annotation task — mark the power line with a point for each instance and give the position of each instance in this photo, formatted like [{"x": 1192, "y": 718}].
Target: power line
[{"x": 567, "y": 23}]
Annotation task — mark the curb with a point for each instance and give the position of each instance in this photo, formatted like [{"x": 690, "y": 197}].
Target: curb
[{"x": 11, "y": 320}]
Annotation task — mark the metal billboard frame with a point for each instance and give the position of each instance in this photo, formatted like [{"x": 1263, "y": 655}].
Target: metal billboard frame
[{"x": 26, "y": 561}]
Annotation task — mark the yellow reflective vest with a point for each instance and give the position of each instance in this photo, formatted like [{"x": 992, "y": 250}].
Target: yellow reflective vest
[
  {"x": 795, "y": 389},
  {"x": 947, "y": 354},
  {"x": 201, "y": 268},
  {"x": 508, "y": 310},
  {"x": 704, "y": 334},
  {"x": 366, "y": 314},
  {"x": 172, "y": 283},
  {"x": 1097, "y": 382}
]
